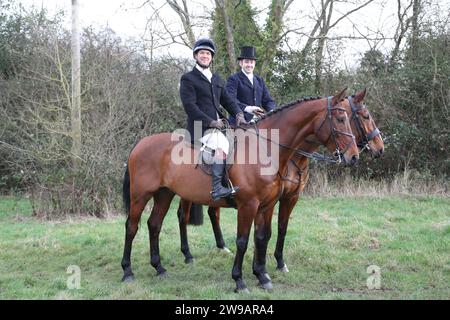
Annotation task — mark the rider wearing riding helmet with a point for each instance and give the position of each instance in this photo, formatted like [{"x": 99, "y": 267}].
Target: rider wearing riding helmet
[{"x": 202, "y": 92}]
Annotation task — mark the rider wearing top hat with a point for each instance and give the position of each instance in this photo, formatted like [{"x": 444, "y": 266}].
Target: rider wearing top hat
[
  {"x": 248, "y": 88},
  {"x": 201, "y": 93}
]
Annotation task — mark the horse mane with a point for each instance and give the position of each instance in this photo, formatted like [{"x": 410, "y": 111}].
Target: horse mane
[
  {"x": 290, "y": 104},
  {"x": 286, "y": 106}
]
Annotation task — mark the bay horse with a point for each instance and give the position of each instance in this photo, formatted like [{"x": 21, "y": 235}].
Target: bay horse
[
  {"x": 151, "y": 172},
  {"x": 295, "y": 178},
  {"x": 368, "y": 137}
]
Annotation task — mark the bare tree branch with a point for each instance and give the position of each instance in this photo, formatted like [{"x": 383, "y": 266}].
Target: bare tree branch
[
  {"x": 349, "y": 13},
  {"x": 401, "y": 30},
  {"x": 185, "y": 18}
]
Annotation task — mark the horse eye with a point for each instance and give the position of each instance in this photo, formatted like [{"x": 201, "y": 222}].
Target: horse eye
[{"x": 366, "y": 117}]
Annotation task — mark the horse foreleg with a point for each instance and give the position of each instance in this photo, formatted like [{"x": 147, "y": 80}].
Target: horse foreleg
[
  {"x": 246, "y": 215},
  {"x": 183, "y": 217},
  {"x": 285, "y": 210},
  {"x": 162, "y": 200},
  {"x": 214, "y": 216},
  {"x": 131, "y": 228},
  {"x": 262, "y": 234}
]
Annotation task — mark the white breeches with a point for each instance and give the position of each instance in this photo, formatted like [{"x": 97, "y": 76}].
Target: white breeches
[{"x": 216, "y": 140}]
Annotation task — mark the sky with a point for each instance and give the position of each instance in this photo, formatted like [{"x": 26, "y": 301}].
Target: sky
[
  {"x": 128, "y": 20},
  {"x": 120, "y": 15},
  {"x": 125, "y": 17}
]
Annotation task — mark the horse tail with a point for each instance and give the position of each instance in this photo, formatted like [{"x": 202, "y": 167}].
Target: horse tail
[{"x": 126, "y": 191}]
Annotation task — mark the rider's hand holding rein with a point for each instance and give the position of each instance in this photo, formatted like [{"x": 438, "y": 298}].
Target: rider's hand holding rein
[
  {"x": 240, "y": 119},
  {"x": 218, "y": 124},
  {"x": 257, "y": 111}
]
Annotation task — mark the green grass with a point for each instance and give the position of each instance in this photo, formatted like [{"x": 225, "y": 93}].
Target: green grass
[{"x": 329, "y": 246}]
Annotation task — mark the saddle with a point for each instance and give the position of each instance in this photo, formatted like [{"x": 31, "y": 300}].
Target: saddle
[
  {"x": 204, "y": 162},
  {"x": 206, "y": 158}
]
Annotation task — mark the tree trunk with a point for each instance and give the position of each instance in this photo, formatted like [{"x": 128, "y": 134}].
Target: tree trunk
[
  {"x": 311, "y": 38},
  {"x": 223, "y": 6},
  {"x": 324, "y": 28},
  {"x": 417, "y": 7},
  {"x": 274, "y": 27},
  {"x": 318, "y": 66},
  {"x": 76, "y": 96}
]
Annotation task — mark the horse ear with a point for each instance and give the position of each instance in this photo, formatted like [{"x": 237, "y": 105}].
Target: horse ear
[
  {"x": 360, "y": 96},
  {"x": 338, "y": 97}
]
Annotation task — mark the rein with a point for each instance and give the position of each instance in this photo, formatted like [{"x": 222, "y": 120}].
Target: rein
[{"x": 319, "y": 157}]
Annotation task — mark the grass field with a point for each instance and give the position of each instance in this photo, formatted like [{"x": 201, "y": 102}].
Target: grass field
[{"x": 331, "y": 242}]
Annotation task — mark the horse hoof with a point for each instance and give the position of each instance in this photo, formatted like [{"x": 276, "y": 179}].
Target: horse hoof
[
  {"x": 266, "y": 286},
  {"x": 283, "y": 269},
  {"x": 162, "y": 275},
  {"x": 241, "y": 287},
  {"x": 188, "y": 260},
  {"x": 265, "y": 281},
  {"x": 242, "y": 290},
  {"x": 128, "y": 278},
  {"x": 161, "y": 272},
  {"x": 226, "y": 250}
]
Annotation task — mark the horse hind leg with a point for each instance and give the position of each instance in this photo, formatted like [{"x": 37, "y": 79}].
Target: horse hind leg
[
  {"x": 183, "y": 217},
  {"x": 285, "y": 210},
  {"x": 131, "y": 228},
  {"x": 162, "y": 199},
  {"x": 214, "y": 216}
]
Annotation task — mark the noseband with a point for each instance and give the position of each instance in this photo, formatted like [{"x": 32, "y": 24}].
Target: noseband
[{"x": 366, "y": 137}]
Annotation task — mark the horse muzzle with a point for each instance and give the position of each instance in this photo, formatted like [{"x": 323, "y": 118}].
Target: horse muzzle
[
  {"x": 377, "y": 153},
  {"x": 350, "y": 160}
]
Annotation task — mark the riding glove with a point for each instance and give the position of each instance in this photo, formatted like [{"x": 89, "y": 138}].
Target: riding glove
[
  {"x": 218, "y": 124},
  {"x": 254, "y": 110},
  {"x": 240, "y": 119}
]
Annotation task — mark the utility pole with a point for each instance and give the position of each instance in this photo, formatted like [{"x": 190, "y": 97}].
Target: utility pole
[{"x": 76, "y": 91}]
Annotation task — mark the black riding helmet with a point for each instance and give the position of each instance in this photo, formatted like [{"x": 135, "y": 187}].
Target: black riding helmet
[{"x": 204, "y": 44}]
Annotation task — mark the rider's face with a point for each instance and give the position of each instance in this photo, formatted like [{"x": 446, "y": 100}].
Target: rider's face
[
  {"x": 248, "y": 65},
  {"x": 203, "y": 58}
]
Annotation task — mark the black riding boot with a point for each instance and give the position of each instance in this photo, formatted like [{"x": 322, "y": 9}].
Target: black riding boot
[{"x": 218, "y": 191}]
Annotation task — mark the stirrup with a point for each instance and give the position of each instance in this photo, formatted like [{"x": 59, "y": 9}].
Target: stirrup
[{"x": 233, "y": 189}]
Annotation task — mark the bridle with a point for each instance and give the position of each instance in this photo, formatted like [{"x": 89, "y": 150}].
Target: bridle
[
  {"x": 366, "y": 137},
  {"x": 363, "y": 143},
  {"x": 338, "y": 153}
]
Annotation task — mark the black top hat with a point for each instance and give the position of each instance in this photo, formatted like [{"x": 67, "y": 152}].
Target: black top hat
[{"x": 248, "y": 52}]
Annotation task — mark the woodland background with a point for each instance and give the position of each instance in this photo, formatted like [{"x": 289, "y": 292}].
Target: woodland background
[{"x": 129, "y": 91}]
